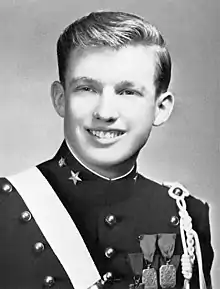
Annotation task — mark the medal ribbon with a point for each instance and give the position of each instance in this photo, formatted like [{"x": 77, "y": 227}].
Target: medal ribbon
[
  {"x": 166, "y": 243},
  {"x": 148, "y": 247},
  {"x": 136, "y": 263}
]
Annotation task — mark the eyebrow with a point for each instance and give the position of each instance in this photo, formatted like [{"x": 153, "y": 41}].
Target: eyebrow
[
  {"x": 75, "y": 80},
  {"x": 125, "y": 83}
]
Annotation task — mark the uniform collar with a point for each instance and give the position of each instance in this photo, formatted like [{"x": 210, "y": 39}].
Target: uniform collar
[{"x": 66, "y": 157}]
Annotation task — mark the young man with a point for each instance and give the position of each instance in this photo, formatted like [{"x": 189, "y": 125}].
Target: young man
[{"x": 87, "y": 214}]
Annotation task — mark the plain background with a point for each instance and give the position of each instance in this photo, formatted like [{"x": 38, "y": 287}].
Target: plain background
[{"x": 186, "y": 149}]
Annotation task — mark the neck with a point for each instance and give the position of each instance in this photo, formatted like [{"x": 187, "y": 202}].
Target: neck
[
  {"x": 108, "y": 172},
  {"x": 113, "y": 172}
]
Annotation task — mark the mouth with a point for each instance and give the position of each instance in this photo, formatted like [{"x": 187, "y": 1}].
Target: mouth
[{"x": 106, "y": 135}]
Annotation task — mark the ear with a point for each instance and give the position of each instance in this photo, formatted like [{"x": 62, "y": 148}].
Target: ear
[
  {"x": 164, "y": 108},
  {"x": 58, "y": 97}
]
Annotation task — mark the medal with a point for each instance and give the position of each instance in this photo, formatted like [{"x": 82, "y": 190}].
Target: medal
[
  {"x": 149, "y": 275},
  {"x": 149, "y": 278},
  {"x": 167, "y": 276},
  {"x": 167, "y": 272}
]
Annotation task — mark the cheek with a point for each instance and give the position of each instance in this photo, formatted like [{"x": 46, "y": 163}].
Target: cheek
[
  {"x": 79, "y": 107},
  {"x": 139, "y": 112}
]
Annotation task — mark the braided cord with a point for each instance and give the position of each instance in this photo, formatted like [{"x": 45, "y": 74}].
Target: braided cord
[{"x": 189, "y": 237}]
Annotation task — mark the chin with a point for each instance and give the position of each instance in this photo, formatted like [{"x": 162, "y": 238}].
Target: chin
[{"x": 109, "y": 159}]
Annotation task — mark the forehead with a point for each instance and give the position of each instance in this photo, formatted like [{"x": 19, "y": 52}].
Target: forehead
[{"x": 110, "y": 66}]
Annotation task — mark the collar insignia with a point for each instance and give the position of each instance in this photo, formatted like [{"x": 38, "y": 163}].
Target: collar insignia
[
  {"x": 75, "y": 177},
  {"x": 62, "y": 162}
]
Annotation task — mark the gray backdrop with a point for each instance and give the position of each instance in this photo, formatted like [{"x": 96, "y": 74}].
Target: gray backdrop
[{"x": 185, "y": 149}]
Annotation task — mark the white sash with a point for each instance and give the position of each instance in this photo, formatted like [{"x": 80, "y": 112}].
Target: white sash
[{"x": 57, "y": 227}]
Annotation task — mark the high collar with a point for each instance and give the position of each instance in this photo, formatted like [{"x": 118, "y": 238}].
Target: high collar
[{"x": 64, "y": 155}]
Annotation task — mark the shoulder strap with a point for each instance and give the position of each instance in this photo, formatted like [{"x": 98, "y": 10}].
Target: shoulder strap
[{"x": 57, "y": 227}]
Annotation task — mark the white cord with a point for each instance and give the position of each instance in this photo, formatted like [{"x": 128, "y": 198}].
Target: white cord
[{"x": 189, "y": 237}]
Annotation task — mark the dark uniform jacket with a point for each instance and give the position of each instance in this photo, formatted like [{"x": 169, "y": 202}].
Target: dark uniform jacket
[{"x": 111, "y": 216}]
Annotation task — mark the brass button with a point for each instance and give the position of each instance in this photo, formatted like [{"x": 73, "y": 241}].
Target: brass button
[
  {"x": 107, "y": 277},
  {"x": 109, "y": 252},
  {"x": 49, "y": 281},
  {"x": 140, "y": 237},
  {"x": 7, "y": 188},
  {"x": 174, "y": 221},
  {"x": 178, "y": 192},
  {"x": 110, "y": 220},
  {"x": 26, "y": 216},
  {"x": 39, "y": 247}
]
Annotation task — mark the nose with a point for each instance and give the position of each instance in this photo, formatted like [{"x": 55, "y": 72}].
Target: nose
[{"x": 106, "y": 108}]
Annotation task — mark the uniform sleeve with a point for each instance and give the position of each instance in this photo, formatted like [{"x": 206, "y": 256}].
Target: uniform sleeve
[
  {"x": 201, "y": 225},
  {"x": 206, "y": 248}
]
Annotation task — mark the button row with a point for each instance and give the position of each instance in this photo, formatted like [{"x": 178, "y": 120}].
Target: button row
[
  {"x": 111, "y": 219},
  {"x": 39, "y": 247},
  {"x": 26, "y": 216}
]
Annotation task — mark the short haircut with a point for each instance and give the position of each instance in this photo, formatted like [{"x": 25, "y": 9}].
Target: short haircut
[{"x": 115, "y": 30}]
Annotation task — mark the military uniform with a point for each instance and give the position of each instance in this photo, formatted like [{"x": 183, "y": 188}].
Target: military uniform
[{"x": 113, "y": 217}]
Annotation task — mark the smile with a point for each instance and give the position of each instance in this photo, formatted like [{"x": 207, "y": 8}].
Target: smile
[{"x": 101, "y": 134}]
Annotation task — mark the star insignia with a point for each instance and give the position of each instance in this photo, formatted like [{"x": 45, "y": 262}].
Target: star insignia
[
  {"x": 75, "y": 177},
  {"x": 62, "y": 162}
]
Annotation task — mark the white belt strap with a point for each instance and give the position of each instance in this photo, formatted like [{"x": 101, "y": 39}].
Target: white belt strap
[{"x": 57, "y": 227}]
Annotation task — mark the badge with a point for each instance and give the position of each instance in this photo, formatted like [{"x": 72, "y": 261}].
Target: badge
[
  {"x": 62, "y": 162},
  {"x": 149, "y": 278},
  {"x": 75, "y": 177},
  {"x": 167, "y": 276},
  {"x": 167, "y": 272}
]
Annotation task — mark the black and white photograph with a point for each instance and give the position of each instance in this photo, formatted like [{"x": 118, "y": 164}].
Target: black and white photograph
[{"x": 110, "y": 144}]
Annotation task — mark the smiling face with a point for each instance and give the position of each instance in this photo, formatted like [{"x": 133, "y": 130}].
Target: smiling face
[{"x": 109, "y": 103}]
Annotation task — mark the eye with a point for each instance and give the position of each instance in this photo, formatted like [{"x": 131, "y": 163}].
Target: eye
[
  {"x": 85, "y": 89},
  {"x": 129, "y": 92}
]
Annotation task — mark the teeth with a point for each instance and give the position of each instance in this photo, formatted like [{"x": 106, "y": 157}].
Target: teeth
[{"x": 106, "y": 135}]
